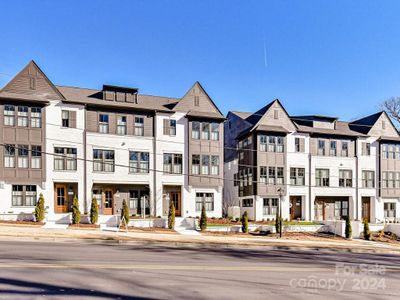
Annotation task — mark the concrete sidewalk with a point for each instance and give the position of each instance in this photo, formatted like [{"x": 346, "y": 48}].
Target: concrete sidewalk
[{"x": 37, "y": 233}]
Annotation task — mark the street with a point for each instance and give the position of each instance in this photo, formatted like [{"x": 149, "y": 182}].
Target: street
[{"x": 61, "y": 270}]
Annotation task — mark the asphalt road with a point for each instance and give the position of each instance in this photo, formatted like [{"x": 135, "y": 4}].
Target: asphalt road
[{"x": 54, "y": 270}]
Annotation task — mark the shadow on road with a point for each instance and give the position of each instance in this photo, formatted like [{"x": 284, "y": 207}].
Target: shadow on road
[{"x": 15, "y": 288}]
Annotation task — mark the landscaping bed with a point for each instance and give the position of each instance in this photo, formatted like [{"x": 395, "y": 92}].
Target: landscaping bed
[
  {"x": 385, "y": 237},
  {"x": 148, "y": 229},
  {"x": 22, "y": 223},
  {"x": 83, "y": 226}
]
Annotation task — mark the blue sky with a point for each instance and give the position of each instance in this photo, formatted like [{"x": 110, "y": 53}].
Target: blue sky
[{"x": 337, "y": 58}]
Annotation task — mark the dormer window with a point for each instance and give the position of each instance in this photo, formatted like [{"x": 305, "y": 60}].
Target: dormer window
[{"x": 196, "y": 101}]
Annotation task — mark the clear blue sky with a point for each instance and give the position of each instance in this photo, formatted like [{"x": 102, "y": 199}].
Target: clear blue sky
[{"x": 338, "y": 58}]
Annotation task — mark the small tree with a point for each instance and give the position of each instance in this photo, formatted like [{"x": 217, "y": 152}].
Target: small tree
[
  {"x": 203, "y": 219},
  {"x": 245, "y": 222},
  {"x": 94, "y": 211},
  {"x": 348, "y": 230},
  {"x": 367, "y": 234},
  {"x": 125, "y": 211},
  {"x": 76, "y": 213},
  {"x": 171, "y": 215},
  {"x": 39, "y": 209}
]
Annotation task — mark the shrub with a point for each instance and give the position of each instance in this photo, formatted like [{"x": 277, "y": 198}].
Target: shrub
[
  {"x": 171, "y": 215},
  {"x": 39, "y": 209},
  {"x": 367, "y": 234},
  {"x": 125, "y": 212},
  {"x": 245, "y": 223},
  {"x": 348, "y": 230},
  {"x": 237, "y": 219},
  {"x": 94, "y": 211},
  {"x": 76, "y": 213},
  {"x": 203, "y": 219}
]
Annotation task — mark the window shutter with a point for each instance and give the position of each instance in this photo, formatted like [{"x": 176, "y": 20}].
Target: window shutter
[
  {"x": 166, "y": 126},
  {"x": 301, "y": 141},
  {"x": 72, "y": 119},
  {"x": 364, "y": 149}
]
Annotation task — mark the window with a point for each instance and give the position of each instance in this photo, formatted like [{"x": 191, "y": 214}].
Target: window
[
  {"x": 279, "y": 144},
  {"x": 215, "y": 131},
  {"x": 366, "y": 149},
  {"x": 321, "y": 147},
  {"x": 196, "y": 101},
  {"x": 383, "y": 125},
  {"x": 205, "y": 131},
  {"x": 299, "y": 144},
  {"x": 23, "y": 151},
  {"x": 322, "y": 177},
  {"x": 345, "y": 149},
  {"x": 103, "y": 123},
  {"x": 65, "y": 118},
  {"x": 23, "y": 195},
  {"x": 195, "y": 164},
  {"x": 263, "y": 143},
  {"x": 235, "y": 179},
  {"x": 345, "y": 178},
  {"x": 196, "y": 130},
  {"x": 397, "y": 151},
  {"x": 333, "y": 148},
  {"x": 9, "y": 156},
  {"x": 133, "y": 199},
  {"x": 270, "y": 206},
  {"x": 36, "y": 117},
  {"x": 206, "y": 199},
  {"x": 279, "y": 175},
  {"x": 214, "y": 165},
  {"x": 138, "y": 162},
  {"x": 65, "y": 159},
  {"x": 276, "y": 114},
  {"x": 139, "y": 126},
  {"x": 247, "y": 202},
  {"x": 22, "y": 116},
  {"x": 390, "y": 209},
  {"x": 172, "y": 127},
  {"x": 385, "y": 151},
  {"x": 271, "y": 144},
  {"x": 103, "y": 160},
  {"x": 36, "y": 157},
  {"x": 392, "y": 153},
  {"x": 32, "y": 83},
  {"x": 121, "y": 125},
  {"x": 9, "y": 115},
  {"x": 172, "y": 163},
  {"x": 271, "y": 175},
  {"x": 341, "y": 209},
  {"x": 368, "y": 179},
  {"x": 297, "y": 176},
  {"x": 205, "y": 164},
  {"x": 263, "y": 174}
]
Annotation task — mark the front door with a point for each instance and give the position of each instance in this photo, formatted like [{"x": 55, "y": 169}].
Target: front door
[
  {"x": 329, "y": 211},
  {"x": 366, "y": 208},
  {"x": 176, "y": 198},
  {"x": 60, "y": 198},
  {"x": 295, "y": 208},
  {"x": 108, "y": 202}
]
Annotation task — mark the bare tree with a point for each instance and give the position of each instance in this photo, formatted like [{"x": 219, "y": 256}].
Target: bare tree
[{"x": 392, "y": 107}]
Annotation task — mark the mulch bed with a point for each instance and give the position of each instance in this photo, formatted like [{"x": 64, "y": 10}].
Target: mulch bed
[
  {"x": 24, "y": 223},
  {"x": 211, "y": 221},
  {"x": 83, "y": 226},
  {"x": 386, "y": 237},
  {"x": 149, "y": 229}
]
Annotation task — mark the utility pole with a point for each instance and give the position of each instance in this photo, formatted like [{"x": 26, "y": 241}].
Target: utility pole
[{"x": 280, "y": 190}]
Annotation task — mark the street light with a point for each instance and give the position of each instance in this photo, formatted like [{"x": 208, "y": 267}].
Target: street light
[{"x": 280, "y": 191}]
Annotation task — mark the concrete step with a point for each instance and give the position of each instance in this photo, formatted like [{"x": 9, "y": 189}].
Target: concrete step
[
  {"x": 185, "y": 231},
  {"x": 54, "y": 225}
]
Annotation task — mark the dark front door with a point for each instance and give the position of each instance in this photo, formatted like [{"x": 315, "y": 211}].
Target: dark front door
[
  {"x": 295, "y": 207},
  {"x": 366, "y": 208}
]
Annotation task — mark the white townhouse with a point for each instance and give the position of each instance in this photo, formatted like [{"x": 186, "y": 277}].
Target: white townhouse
[
  {"x": 110, "y": 144},
  {"x": 321, "y": 168}
]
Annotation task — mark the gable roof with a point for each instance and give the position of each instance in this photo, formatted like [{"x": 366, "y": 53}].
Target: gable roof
[
  {"x": 365, "y": 124},
  {"x": 19, "y": 86}
]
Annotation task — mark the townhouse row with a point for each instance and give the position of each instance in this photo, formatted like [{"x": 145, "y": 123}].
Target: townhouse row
[
  {"x": 116, "y": 143},
  {"x": 318, "y": 167},
  {"x": 110, "y": 144}
]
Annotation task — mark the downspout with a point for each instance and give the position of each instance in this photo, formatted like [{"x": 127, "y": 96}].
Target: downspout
[
  {"x": 309, "y": 186},
  {"x": 155, "y": 166},
  {"x": 85, "y": 206},
  {"x": 357, "y": 175}
]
